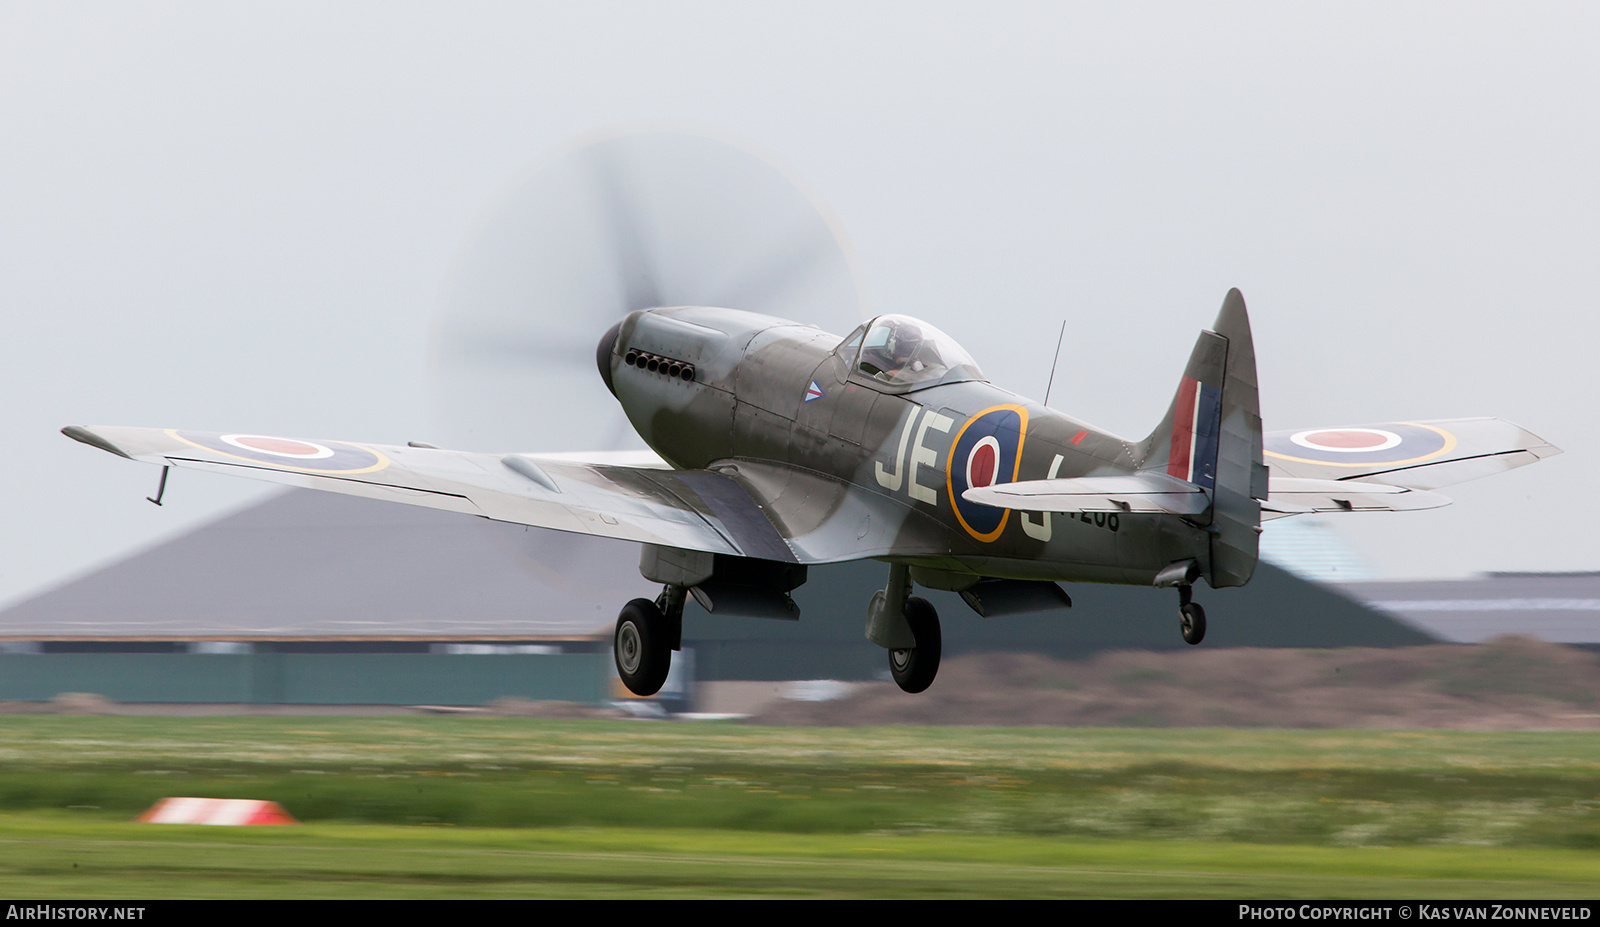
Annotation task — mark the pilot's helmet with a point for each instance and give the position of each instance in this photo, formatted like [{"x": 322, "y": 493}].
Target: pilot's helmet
[{"x": 907, "y": 339}]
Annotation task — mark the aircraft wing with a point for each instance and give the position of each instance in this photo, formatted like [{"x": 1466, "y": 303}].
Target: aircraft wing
[
  {"x": 1413, "y": 455},
  {"x": 631, "y": 496}
]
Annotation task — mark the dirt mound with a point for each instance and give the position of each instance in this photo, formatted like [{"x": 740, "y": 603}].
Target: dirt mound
[{"x": 1508, "y": 683}]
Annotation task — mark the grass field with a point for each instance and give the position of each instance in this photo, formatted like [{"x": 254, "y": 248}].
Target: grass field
[{"x": 485, "y": 807}]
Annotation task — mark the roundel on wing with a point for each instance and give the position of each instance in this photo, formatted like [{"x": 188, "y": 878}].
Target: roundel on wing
[
  {"x": 1364, "y": 445},
  {"x": 986, "y": 451},
  {"x": 289, "y": 453}
]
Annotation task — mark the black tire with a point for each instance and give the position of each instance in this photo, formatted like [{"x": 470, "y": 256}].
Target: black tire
[
  {"x": 1192, "y": 622},
  {"x": 640, "y": 647},
  {"x": 913, "y": 670}
]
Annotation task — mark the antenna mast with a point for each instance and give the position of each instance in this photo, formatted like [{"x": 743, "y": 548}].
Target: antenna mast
[{"x": 1054, "y": 361}]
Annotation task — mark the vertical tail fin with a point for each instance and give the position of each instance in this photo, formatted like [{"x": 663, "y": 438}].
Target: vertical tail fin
[
  {"x": 1184, "y": 445},
  {"x": 1211, "y": 436}
]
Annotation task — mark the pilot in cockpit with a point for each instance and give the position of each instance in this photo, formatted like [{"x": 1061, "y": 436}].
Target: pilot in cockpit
[{"x": 895, "y": 349}]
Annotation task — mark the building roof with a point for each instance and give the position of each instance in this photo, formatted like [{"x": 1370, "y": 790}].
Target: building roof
[{"x": 319, "y": 565}]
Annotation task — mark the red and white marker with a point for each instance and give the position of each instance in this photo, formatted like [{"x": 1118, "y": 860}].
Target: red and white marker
[{"x": 219, "y": 811}]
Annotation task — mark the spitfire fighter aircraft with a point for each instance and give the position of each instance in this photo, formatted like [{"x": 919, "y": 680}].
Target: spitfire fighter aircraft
[{"x": 778, "y": 446}]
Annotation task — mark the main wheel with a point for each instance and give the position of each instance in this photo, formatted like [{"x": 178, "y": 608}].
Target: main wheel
[
  {"x": 1192, "y": 622},
  {"x": 640, "y": 647},
  {"x": 913, "y": 670}
]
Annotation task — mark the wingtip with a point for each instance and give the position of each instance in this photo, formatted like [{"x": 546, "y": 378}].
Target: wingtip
[
  {"x": 85, "y": 436},
  {"x": 1534, "y": 444}
]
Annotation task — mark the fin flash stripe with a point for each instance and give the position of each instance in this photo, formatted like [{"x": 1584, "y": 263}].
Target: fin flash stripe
[{"x": 1196, "y": 429}]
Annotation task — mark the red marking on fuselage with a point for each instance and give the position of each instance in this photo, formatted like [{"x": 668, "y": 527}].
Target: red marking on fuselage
[
  {"x": 983, "y": 466},
  {"x": 1182, "y": 430},
  {"x": 1078, "y": 438}
]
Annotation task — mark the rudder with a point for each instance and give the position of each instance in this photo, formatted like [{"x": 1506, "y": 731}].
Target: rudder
[{"x": 1241, "y": 469}]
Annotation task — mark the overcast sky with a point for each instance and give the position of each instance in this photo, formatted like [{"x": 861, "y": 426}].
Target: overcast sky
[{"x": 246, "y": 217}]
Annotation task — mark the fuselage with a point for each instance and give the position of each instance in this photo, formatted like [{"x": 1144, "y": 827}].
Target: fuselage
[{"x": 772, "y": 400}]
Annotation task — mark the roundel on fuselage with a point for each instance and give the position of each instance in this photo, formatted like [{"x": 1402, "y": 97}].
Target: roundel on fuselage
[{"x": 986, "y": 451}]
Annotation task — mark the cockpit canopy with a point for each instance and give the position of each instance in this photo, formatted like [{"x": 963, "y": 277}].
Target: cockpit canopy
[{"x": 903, "y": 353}]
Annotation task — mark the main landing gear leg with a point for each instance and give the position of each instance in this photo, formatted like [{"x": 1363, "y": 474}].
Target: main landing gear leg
[
  {"x": 1191, "y": 617},
  {"x": 670, "y": 601},
  {"x": 647, "y": 633}
]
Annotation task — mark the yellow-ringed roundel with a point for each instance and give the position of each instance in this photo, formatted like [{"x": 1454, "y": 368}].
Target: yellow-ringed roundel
[
  {"x": 986, "y": 451},
  {"x": 288, "y": 453},
  {"x": 1392, "y": 443}
]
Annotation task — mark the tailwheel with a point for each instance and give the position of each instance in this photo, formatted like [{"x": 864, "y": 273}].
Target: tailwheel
[
  {"x": 1192, "y": 622},
  {"x": 913, "y": 669},
  {"x": 641, "y": 648}
]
